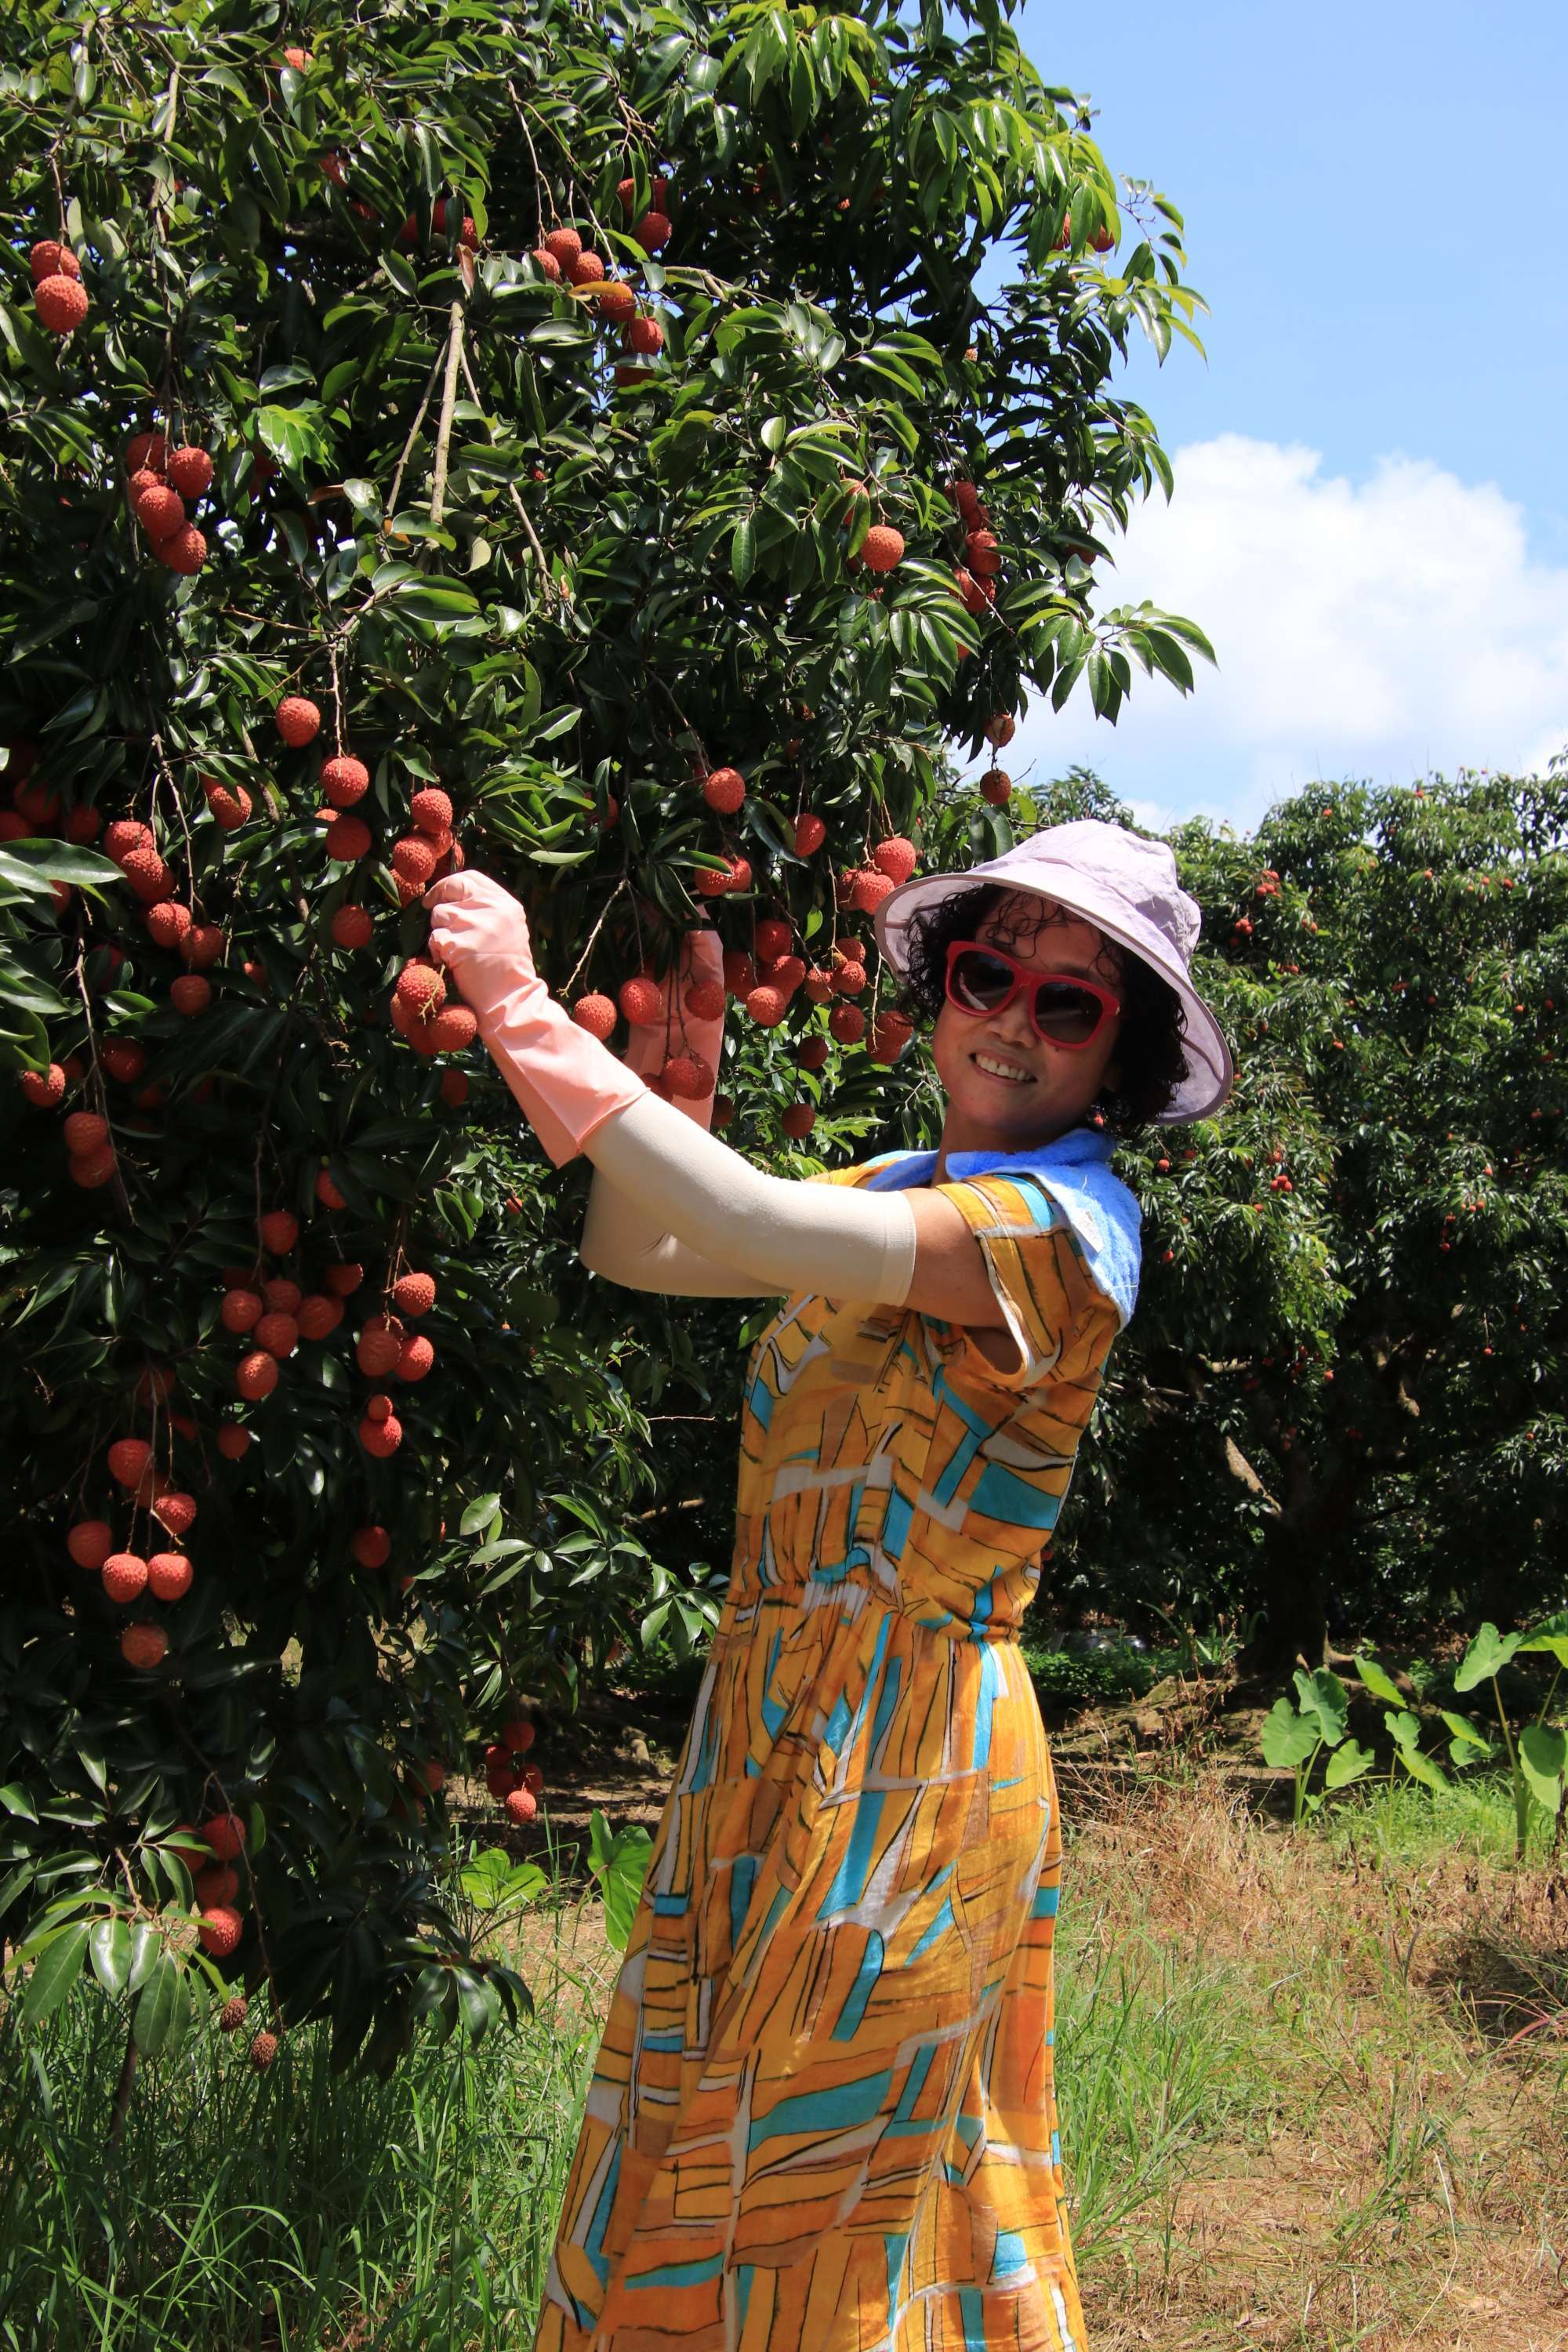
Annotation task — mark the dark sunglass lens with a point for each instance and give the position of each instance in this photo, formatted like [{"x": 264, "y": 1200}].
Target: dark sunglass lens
[
  {"x": 979, "y": 981},
  {"x": 1064, "y": 1011}
]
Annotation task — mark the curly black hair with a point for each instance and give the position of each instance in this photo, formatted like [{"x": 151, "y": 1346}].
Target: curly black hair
[{"x": 1149, "y": 1052}]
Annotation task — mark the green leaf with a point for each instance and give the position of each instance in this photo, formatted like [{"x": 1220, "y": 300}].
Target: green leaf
[
  {"x": 1543, "y": 1759},
  {"x": 1323, "y": 1698},
  {"x": 1348, "y": 1763},
  {"x": 163, "y": 2008},
  {"x": 619, "y": 1864},
  {"x": 56, "y": 1971},
  {"x": 478, "y": 1514},
  {"x": 1381, "y": 1684},
  {"x": 16, "y": 1800},
  {"x": 744, "y": 550},
  {"x": 1551, "y": 1637},
  {"x": 1287, "y": 1738},
  {"x": 1487, "y": 1654},
  {"x": 111, "y": 1946}
]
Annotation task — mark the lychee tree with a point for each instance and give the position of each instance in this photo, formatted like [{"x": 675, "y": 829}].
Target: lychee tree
[{"x": 571, "y": 441}]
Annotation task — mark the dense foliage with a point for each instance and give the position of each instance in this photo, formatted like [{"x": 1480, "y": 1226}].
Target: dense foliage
[{"x": 520, "y": 427}]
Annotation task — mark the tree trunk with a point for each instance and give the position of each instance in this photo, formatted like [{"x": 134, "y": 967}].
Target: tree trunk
[{"x": 121, "y": 2105}]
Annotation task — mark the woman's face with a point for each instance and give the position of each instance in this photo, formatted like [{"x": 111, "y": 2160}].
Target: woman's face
[{"x": 1007, "y": 1087}]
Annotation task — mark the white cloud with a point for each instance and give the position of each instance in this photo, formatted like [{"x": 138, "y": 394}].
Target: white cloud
[{"x": 1379, "y": 629}]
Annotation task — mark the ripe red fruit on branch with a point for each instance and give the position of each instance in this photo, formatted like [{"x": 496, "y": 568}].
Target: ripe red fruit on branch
[
  {"x": 967, "y": 498},
  {"x": 642, "y": 1001},
  {"x": 85, "y": 1131},
  {"x": 239, "y": 1311},
  {"x": 818, "y": 984},
  {"x": 596, "y": 1014},
  {"x": 148, "y": 876},
  {"x": 564, "y": 246},
  {"x": 279, "y": 1230},
  {"x": 724, "y": 789},
  {"x": 372, "y": 1547},
  {"x": 617, "y": 305},
  {"x": 124, "y": 835},
  {"x": 344, "y": 780},
  {"x": 60, "y": 302},
  {"x": 705, "y": 1000},
  {"x": 585, "y": 268},
  {"x": 1001, "y": 727},
  {"x": 997, "y": 786},
  {"x": 810, "y": 833},
  {"x": 230, "y": 804},
  {"x": 431, "y": 810},
  {"x": 890, "y": 1034},
  {"x": 421, "y": 987},
  {"x": 233, "y": 1442},
  {"x": 882, "y": 548},
  {"x": 455, "y": 1088},
  {"x": 520, "y": 1804},
  {"x": 190, "y": 994},
  {"x": 767, "y": 1006},
  {"x": 548, "y": 263},
  {"x": 798, "y": 1120},
  {"x": 190, "y": 471},
  {"x": 774, "y": 939},
  {"x": 353, "y": 926},
  {"x": 175, "y": 1511},
  {"x": 124, "y": 1577},
  {"x": 414, "y": 859},
  {"x": 895, "y": 857},
  {"x": 221, "y": 1930},
  {"x": 144, "y": 1646},
  {"x": 644, "y": 336},
  {"x": 90, "y": 1542},
  {"x": 43, "y": 1088},
  {"x": 381, "y": 1439},
  {"x": 972, "y": 591},
  {"x": 379, "y": 1346},
  {"x": 92, "y": 1170},
  {"x": 812, "y": 1054},
  {"x": 183, "y": 550},
  {"x": 453, "y": 1029},
  {"x": 688, "y": 1077},
  {"x": 124, "y": 1060},
  {"x": 320, "y": 1316},
  {"x": 128, "y": 1458},
  {"x": 415, "y": 1357},
  {"x": 169, "y": 1575},
  {"x": 343, "y": 1278},
  {"x": 982, "y": 553},
  {"x": 50, "y": 258},
  {"x": 214, "y": 1885},
  {"x": 414, "y": 1294},
  {"x": 653, "y": 232},
  {"x": 225, "y": 1834},
  {"x": 785, "y": 974},
  {"x": 298, "y": 720},
  {"x": 848, "y": 1024},
  {"x": 348, "y": 840},
  {"x": 159, "y": 510},
  {"x": 167, "y": 923},
  {"x": 739, "y": 972},
  {"x": 278, "y": 1333}
]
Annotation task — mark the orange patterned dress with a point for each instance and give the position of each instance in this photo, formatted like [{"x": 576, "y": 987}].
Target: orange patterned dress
[{"x": 822, "y": 2116}]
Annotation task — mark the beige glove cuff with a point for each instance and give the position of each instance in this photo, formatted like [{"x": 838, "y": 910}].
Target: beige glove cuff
[{"x": 831, "y": 1239}]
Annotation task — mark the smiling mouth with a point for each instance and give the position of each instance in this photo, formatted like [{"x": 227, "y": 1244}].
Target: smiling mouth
[{"x": 1011, "y": 1073}]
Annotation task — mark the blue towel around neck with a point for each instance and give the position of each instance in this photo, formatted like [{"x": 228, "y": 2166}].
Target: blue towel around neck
[{"x": 1074, "y": 1170}]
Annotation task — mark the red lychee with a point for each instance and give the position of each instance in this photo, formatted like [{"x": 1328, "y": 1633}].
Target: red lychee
[
  {"x": 767, "y": 1006},
  {"x": 705, "y": 1000},
  {"x": 810, "y": 833},
  {"x": 92, "y": 1169},
  {"x": 372, "y": 1547},
  {"x": 230, "y": 804},
  {"x": 83, "y": 826},
  {"x": 149, "y": 876},
  {"x": 344, "y": 780},
  {"x": 413, "y": 859},
  {"x": 982, "y": 554},
  {"x": 848, "y": 1024},
  {"x": 342, "y": 1278},
  {"x": 455, "y": 1088},
  {"x": 167, "y": 923},
  {"x": 596, "y": 1014},
  {"x": 353, "y": 927},
  {"x": 890, "y": 1034},
  {"x": 895, "y": 857},
  {"x": 739, "y": 972},
  {"x": 124, "y": 1575},
  {"x": 642, "y": 1001},
  {"x": 185, "y": 551},
  {"x": 812, "y": 1054},
  {"x": 849, "y": 977},
  {"x": 202, "y": 945},
  {"x": 85, "y": 1131},
  {"x": 159, "y": 510},
  {"x": 124, "y": 1060},
  {"x": 421, "y": 987},
  {"x": 653, "y": 232},
  {"x": 240, "y": 1311},
  {"x": 255, "y": 1376},
  {"x": 50, "y": 258},
  {"x": 327, "y": 1191},
  {"x": 564, "y": 246},
  {"x": 381, "y": 1439},
  {"x": 723, "y": 1112},
  {"x": 226, "y": 1834},
  {"x": 43, "y": 1088},
  {"x": 298, "y": 721},
  {"x": 175, "y": 1511},
  {"x": 453, "y": 1029},
  {"x": 585, "y": 268},
  {"x": 320, "y": 1316},
  {"x": 734, "y": 877},
  {"x": 190, "y": 471},
  {"x": 124, "y": 835},
  {"x": 281, "y": 1296},
  {"x": 617, "y": 304},
  {"x": 278, "y": 1333},
  {"x": 146, "y": 449},
  {"x": 724, "y": 789},
  {"x": 785, "y": 974},
  {"x": 221, "y": 1930},
  {"x": 415, "y": 1357},
  {"x": 233, "y": 1442},
  {"x": 431, "y": 810},
  {"x": 774, "y": 937},
  {"x": 644, "y": 336},
  {"x": 379, "y": 1346},
  {"x": 60, "y": 303},
  {"x": 190, "y": 994},
  {"x": 169, "y": 1575},
  {"x": 882, "y": 549},
  {"x": 520, "y": 1804},
  {"x": 516, "y": 1734},
  {"x": 348, "y": 840},
  {"x": 128, "y": 1458},
  {"x": 798, "y": 1120},
  {"x": 548, "y": 263},
  {"x": 1001, "y": 727},
  {"x": 144, "y": 1646},
  {"x": 818, "y": 984},
  {"x": 90, "y": 1542},
  {"x": 997, "y": 786},
  {"x": 414, "y": 1294},
  {"x": 216, "y": 1884}
]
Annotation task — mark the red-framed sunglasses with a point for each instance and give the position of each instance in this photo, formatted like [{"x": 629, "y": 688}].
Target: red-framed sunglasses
[{"x": 1066, "y": 1010}]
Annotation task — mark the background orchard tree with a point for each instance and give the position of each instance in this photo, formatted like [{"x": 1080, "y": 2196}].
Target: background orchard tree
[{"x": 566, "y": 440}]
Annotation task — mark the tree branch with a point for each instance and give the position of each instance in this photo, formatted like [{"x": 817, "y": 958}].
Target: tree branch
[{"x": 449, "y": 401}]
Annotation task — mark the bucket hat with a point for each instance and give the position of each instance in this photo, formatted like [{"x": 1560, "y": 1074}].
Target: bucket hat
[{"x": 1128, "y": 887}]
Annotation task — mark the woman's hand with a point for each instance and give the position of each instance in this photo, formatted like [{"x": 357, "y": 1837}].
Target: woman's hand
[{"x": 479, "y": 933}]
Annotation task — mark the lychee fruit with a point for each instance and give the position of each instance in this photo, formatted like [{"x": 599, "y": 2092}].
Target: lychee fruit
[
  {"x": 849, "y": 977},
  {"x": 201, "y": 946},
  {"x": 724, "y": 789},
  {"x": 739, "y": 972},
  {"x": 342, "y": 1278},
  {"x": 255, "y": 1376},
  {"x": 881, "y": 549},
  {"x": 455, "y": 1088},
  {"x": 218, "y": 1882},
  {"x": 414, "y": 1294},
  {"x": 735, "y": 875},
  {"x": 348, "y": 840},
  {"x": 146, "y": 449},
  {"x": 810, "y": 833},
  {"x": 564, "y": 246},
  {"x": 654, "y": 231},
  {"x": 785, "y": 974},
  {"x": 379, "y": 1346},
  {"x": 774, "y": 939},
  {"x": 233, "y": 1442},
  {"x": 617, "y": 305},
  {"x": 124, "y": 835},
  {"x": 723, "y": 1112},
  {"x": 327, "y": 1191},
  {"x": 818, "y": 984},
  {"x": 225, "y": 1834},
  {"x": 705, "y": 1000},
  {"x": 890, "y": 1034},
  {"x": 167, "y": 923},
  {"x": 767, "y": 1006},
  {"x": 190, "y": 994},
  {"x": 148, "y": 876},
  {"x": 521, "y": 1804},
  {"x": 353, "y": 927},
  {"x": 381, "y": 1439},
  {"x": 688, "y": 1077},
  {"x": 997, "y": 786},
  {"x": 278, "y": 1333},
  {"x": 281, "y": 1297},
  {"x": 298, "y": 720},
  {"x": 159, "y": 510},
  {"x": 548, "y": 263},
  {"x": 221, "y": 1930},
  {"x": 240, "y": 1311},
  {"x": 92, "y": 1169},
  {"x": 596, "y": 1014},
  {"x": 90, "y": 1542},
  {"x": 642, "y": 1001},
  {"x": 585, "y": 268},
  {"x": 320, "y": 1316},
  {"x": 60, "y": 302},
  {"x": 231, "y": 2016},
  {"x": 644, "y": 336},
  {"x": 982, "y": 553},
  {"x": 50, "y": 258},
  {"x": 895, "y": 857},
  {"x": 848, "y": 1024},
  {"x": 124, "y": 1575},
  {"x": 44, "y": 1089},
  {"x": 453, "y": 1029},
  {"x": 812, "y": 1054},
  {"x": 230, "y": 804},
  {"x": 413, "y": 859},
  {"x": 415, "y": 1357},
  {"x": 344, "y": 780},
  {"x": 372, "y": 1547},
  {"x": 85, "y": 1131},
  {"x": 128, "y": 1458},
  {"x": 1001, "y": 727},
  {"x": 263, "y": 2050},
  {"x": 183, "y": 550},
  {"x": 83, "y": 825},
  {"x": 169, "y": 1575},
  {"x": 144, "y": 1646},
  {"x": 175, "y": 1511},
  {"x": 421, "y": 988},
  {"x": 798, "y": 1120},
  {"x": 431, "y": 810},
  {"x": 189, "y": 471}
]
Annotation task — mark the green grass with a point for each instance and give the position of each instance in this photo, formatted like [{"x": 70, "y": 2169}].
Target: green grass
[{"x": 1314, "y": 2091}]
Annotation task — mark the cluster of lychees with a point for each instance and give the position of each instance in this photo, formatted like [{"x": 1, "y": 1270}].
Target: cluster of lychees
[
  {"x": 159, "y": 483},
  {"x": 60, "y": 297},
  {"x": 128, "y": 1575},
  {"x": 514, "y": 1786}
]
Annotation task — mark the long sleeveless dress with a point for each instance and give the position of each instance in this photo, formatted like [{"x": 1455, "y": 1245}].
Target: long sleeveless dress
[{"x": 822, "y": 2117}]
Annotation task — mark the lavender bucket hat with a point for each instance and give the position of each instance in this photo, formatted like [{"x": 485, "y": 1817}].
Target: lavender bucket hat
[{"x": 1128, "y": 889}]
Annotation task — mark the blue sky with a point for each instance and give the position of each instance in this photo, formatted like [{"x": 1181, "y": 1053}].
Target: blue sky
[{"x": 1372, "y": 509}]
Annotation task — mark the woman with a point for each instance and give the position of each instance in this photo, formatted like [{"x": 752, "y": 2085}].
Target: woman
[{"x": 822, "y": 2117}]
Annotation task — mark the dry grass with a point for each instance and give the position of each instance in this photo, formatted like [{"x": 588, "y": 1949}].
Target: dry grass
[{"x": 1373, "y": 2021}]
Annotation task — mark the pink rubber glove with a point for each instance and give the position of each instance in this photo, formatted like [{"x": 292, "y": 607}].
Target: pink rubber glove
[
  {"x": 652, "y": 1043},
  {"x": 567, "y": 1083}
]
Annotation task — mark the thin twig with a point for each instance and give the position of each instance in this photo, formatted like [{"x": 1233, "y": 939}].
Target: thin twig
[
  {"x": 449, "y": 401},
  {"x": 593, "y": 936},
  {"x": 546, "y": 577},
  {"x": 413, "y": 437}
]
